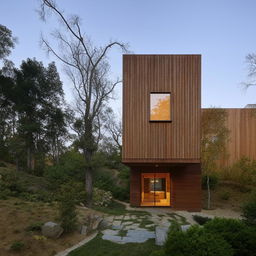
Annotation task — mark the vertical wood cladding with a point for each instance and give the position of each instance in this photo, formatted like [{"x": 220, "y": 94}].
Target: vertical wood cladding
[
  {"x": 241, "y": 123},
  {"x": 185, "y": 185},
  {"x": 175, "y": 141}
]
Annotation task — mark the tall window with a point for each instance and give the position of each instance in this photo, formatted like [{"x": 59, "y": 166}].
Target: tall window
[{"x": 160, "y": 106}]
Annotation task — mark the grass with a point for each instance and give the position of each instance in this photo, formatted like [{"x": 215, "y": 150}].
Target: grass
[{"x": 99, "y": 247}]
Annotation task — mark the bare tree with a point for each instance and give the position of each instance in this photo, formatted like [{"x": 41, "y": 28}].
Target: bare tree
[
  {"x": 88, "y": 68},
  {"x": 251, "y": 61}
]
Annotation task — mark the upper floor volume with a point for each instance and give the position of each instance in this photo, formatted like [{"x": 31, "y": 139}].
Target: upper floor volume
[{"x": 161, "y": 109}]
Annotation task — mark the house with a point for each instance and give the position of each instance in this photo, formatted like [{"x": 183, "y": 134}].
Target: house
[{"x": 161, "y": 129}]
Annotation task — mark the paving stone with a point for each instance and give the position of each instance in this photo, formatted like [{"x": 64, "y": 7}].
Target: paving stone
[
  {"x": 161, "y": 235},
  {"x": 110, "y": 232},
  {"x": 150, "y": 225},
  {"x": 119, "y": 217},
  {"x": 117, "y": 227},
  {"x": 127, "y": 217},
  {"x": 185, "y": 227},
  {"x": 115, "y": 239},
  {"x": 109, "y": 218},
  {"x": 125, "y": 223},
  {"x": 116, "y": 223}
]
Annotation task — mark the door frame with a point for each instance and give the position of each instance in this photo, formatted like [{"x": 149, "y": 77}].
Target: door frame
[{"x": 154, "y": 175}]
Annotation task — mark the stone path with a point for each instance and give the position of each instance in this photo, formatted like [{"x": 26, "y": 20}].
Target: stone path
[{"x": 138, "y": 227}]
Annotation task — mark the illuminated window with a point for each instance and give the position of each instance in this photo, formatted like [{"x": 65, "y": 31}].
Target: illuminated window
[{"x": 160, "y": 107}]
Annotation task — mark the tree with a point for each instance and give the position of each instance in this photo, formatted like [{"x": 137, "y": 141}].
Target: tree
[
  {"x": 87, "y": 67},
  {"x": 251, "y": 61},
  {"x": 7, "y": 41},
  {"x": 213, "y": 142}
]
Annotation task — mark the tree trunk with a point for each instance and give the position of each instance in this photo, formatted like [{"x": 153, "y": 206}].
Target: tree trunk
[
  {"x": 88, "y": 186},
  {"x": 28, "y": 158},
  {"x": 209, "y": 193}
]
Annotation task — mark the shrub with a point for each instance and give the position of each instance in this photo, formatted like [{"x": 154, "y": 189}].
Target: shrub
[
  {"x": 158, "y": 253},
  {"x": 101, "y": 197},
  {"x": 240, "y": 236},
  {"x": 224, "y": 195},
  {"x": 213, "y": 181},
  {"x": 201, "y": 220},
  {"x": 17, "y": 246},
  {"x": 249, "y": 210},
  {"x": 37, "y": 226},
  {"x": 197, "y": 242},
  {"x": 69, "y": 195}
]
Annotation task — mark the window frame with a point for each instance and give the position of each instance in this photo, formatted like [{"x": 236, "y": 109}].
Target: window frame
[{"x": 149, "y": 107}]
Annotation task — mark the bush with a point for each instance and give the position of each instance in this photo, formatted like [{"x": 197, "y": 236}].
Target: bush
[
  {"x": 37, "y": 226},
  {"x": 69, "y": 195},
  {"x": 213, "y": 181},
  {"x": 201, "y": 220},
  {"x": 197, "y": 242},
  {"x": 240, "y": 236},
  {"x": 225, "y": 195},
  {"x": 249, "y": 210},
  {"x": 158, "y": 253},
  {"x": 101, "y": 197},
  {"x": 17, "y": 246}
]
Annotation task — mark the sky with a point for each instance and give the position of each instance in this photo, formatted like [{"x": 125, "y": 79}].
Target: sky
[{"x": 222, "y": 31}]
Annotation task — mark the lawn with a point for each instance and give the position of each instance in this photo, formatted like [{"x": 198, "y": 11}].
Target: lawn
[{"x": 99, "y": 247}]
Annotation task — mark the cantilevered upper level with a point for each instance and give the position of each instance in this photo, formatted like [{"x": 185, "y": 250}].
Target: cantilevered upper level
[{"x": 161, "y": 108}]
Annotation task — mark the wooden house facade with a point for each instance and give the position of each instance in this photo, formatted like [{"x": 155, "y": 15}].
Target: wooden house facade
[{"x": 161, "y": 129}]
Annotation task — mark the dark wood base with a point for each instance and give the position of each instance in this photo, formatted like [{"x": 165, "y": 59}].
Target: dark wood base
[{"x": 185, "y": 185}]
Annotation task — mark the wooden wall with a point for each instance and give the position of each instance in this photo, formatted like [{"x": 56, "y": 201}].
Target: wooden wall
[
  {"x": 185, "y": 185},
  {"x": 241, "y": 123},
  {"x": 158, "y": 142}
]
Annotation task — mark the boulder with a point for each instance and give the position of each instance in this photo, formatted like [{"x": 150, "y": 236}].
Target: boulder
[
  {"x": 96, "y": 222},
  {"x": 52, "y": 230},
  {"x": 84, "y": 230},
  {"x": 104, "y": 224},
  {"x": 161, "y": 235}
]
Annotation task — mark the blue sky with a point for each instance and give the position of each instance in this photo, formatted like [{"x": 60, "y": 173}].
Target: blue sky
[{"x": 223, "y": 31}]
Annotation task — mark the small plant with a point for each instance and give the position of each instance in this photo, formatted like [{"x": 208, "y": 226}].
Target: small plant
[
  {"x": 225, "y": 195},
  {"x": 201, "y": 220},
  {"x": 213, "y": 181},
  {"x": 17, "y": 246},
  {"x": 249, "y": 210},
  {"x": 37, "y": 226},
  {"x": 70, "y": 194},
  {"x": 101, "y": 197}
]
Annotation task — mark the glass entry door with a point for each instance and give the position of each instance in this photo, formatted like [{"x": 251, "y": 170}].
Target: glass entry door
[{"x": 155, "y": 189}]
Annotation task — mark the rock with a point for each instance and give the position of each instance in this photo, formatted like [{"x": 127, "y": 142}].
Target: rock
[
  {"x": 185, "y": 227},
  {"x": 84, "y": 230},
  {"x": 103, "y": 224},
  {"x": 52, "y": 230},
  {"x": 161, "y": 235},
  {"x": 96, "y": 222},
  {"x": 110, "y": 232}
]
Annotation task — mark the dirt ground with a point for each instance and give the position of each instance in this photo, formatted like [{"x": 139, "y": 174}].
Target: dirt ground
[{"x": 16, "y": 215}]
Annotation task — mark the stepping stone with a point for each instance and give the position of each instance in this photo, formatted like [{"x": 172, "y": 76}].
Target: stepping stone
[
  {"x": 116, "y": 223},
  {"x": 127, "y": 223},
  {"x": 161, "y": 235},
  {"x": 110, "y": 232},
  {"x": 184, "y": 228},
  {"x": 109, "y": 218},
  {"x": 115, "y": 239},
  {"x": 127, "y": 217},
  {"x": 119, "y": 217},
  {"x": 150, "y": 225},
  {"x": 117, "y": 227}
]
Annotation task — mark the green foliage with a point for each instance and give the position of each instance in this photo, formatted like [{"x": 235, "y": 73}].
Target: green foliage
[
  {"x": 71, "y": 167},
  {"x": 157, "y": 253},
  {"x": 225, "y": 195},
  {"x": 99, "y": 247},
  {"x": 214, "y": 138},
  {"x": 249, "y": 210},
  {"x": 213, "y": 181},
  {"x": 7, "y": 41},
  {"x": 17, "y": 246},
  {"x": 240, "y": 236},
  {"x": 242, "y": 172},
  {"x": 197, "y": 242},
  {"x": 201, "y": 220},
  {"x": 101, "y": 197},
  {"x": 37, "y": 226},
  {"x": 70, "y": 194}
]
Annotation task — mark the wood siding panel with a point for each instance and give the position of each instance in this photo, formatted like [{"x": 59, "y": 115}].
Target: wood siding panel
[
  {"x": 241, "y": 123},
  {"x": 175, "y": 141}
]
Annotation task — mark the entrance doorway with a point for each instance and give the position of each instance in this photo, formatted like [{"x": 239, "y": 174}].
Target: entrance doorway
[{"x": 155, "y": 189}]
